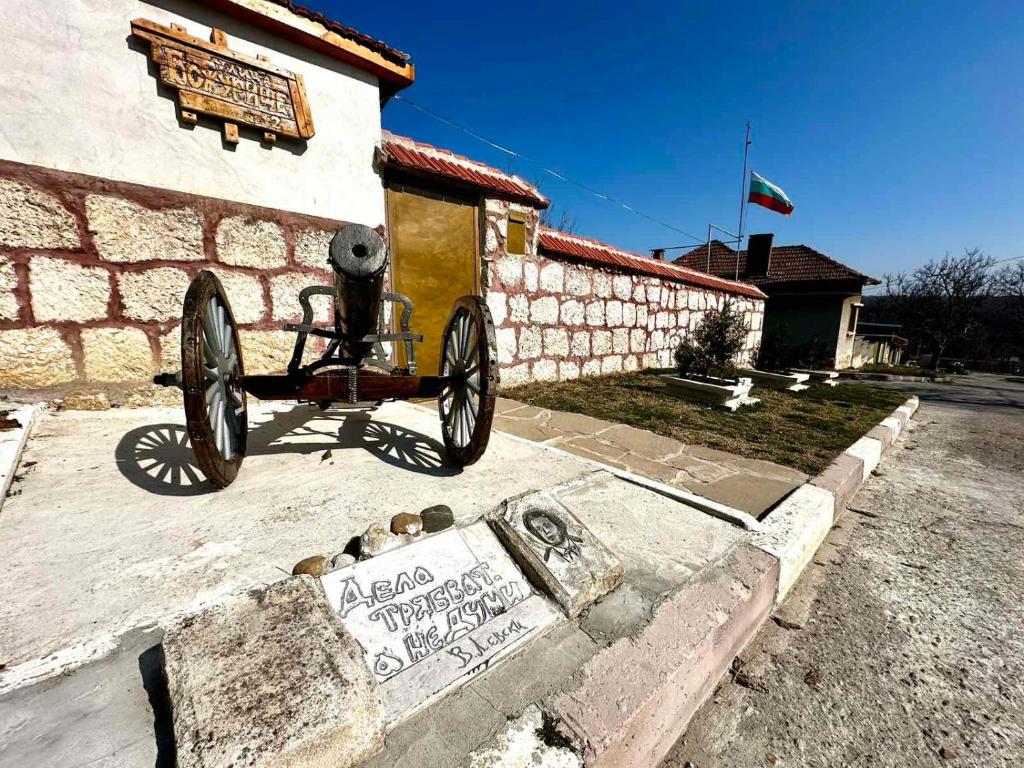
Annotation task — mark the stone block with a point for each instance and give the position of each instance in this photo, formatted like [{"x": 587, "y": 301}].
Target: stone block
[
  {"x": 622, "y": 286},
  {"x": 311, "y": 247},
  {"x": 530, "y": 276},
  {"x": 544, "y": 310},
  {"x": 595, "y": 313},
  {"x": 883, "y": 434},
  {"x": 63, "y": 290},
  {"x": 573, "y": 312},
  {"x": 519, "y": 308},
  {"x": 601, "y": 342},
  {"x": 510, "y": 271},
  {"x": 529, "y": 343},
  {"x": 641, "y": 316},
  {"x": 613, "y": 313},
  {"x": 637, "y": 340},
  {"x": 591, "y": 367},
  {"x": 794, "y": 530},
  {"x": 270, "y": 677},
  {"x": 34, "y": 219},
  {"x": 611, "y": 364},
  {"x": 245, "y": 295},
  {"x": 568, "y": 370},
  {"x": 629, "y": 315},
  {"x": 8, "y": 284},
  {"x": 153, "y": 295},
  {"x": 556, "y": 550},
  {"x": 269, "y": 351},
  {"x": 552, "y": 278},
  {"x": 580, "y": 343},
  {"x": 124, "y": 231},
  {"x": 630, "y": 363},
  {"x": 515, "y": 374},
  {"x": 545, "y": 370},
  {"x": 620, "y": 340},
  {"x": 842, "y": 478},
  {"x": 507, "y": 347},
  {"x": 435, "y": 613},
  {"x": 498, "y": 304},
  {"x": 117, "y": 355},
  {"x": 284, "y": 297},
  {"x": 869, "y": 451},
  {"x": 602, "y": 285},
  {"x": 248, "y": 242},
  {"x": 556, "y": 342},
  {"x": 32, "y": 358},
  {"x": 577, "y": 281}
]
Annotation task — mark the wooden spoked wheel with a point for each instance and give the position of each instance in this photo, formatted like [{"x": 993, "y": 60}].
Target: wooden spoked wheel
[
  {"x": 211, "y": 378},
  {"x": 469, "y": 356}
]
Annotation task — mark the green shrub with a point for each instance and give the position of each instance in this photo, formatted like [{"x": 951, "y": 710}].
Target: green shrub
[{"x": 712, "y": 347}]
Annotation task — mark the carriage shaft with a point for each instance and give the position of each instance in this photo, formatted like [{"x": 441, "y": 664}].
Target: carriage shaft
[{"x": 335, "y": 387}]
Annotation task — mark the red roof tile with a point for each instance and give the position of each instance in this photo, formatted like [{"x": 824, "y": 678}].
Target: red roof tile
[
  {"x": 594, "y": 251},
  {"x": 788, "y": 264},
  {"x": 403, "y": 152},
  {"x": 366, "y": 41}
]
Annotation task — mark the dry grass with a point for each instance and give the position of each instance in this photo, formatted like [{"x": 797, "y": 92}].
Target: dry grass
[{"x": 805, "y": 430}]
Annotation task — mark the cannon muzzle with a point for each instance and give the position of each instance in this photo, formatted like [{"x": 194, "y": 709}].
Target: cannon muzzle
[{"x": 359, "y": 259}]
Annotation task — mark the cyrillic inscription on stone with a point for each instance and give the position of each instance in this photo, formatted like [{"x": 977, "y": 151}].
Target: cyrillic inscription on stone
[
  {"x": 557, "y": 550},
  {"x": 214, "y": 80},
  {"x": 433, "y": 613}
]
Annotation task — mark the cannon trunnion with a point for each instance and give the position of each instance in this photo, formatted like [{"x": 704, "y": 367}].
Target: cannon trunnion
[{"x": 356, "y": 366}]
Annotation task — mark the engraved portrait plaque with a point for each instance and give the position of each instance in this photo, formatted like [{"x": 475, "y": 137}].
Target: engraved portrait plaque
[
  {"x": 213, "y": 80},
  {"x": 434, "y": 613}
]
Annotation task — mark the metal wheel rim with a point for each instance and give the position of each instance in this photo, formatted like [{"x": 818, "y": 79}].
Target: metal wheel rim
[
  {"x": 460, "y": 400},
  {"x": 225, "y": 402}
]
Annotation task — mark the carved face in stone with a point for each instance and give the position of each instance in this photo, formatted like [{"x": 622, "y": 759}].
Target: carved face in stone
[{"x": 545, "y": 526}]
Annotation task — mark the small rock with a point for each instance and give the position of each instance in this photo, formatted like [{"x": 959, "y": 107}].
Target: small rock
[
  {"x": 946, "y": 753},
  {"x": 405, "y": 522},
  {"x": 437, "y": 518},
  {"x": 311, "y": 566},
  {"x": 813, "y": 677},
  {"x": 771, "y": 757},
  {"x": 377, "y": 539},
  {"x": 340, "y": 560}
]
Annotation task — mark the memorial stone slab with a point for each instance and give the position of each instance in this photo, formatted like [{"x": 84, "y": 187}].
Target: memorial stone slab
[
  {"x": 436, "y": 612},
  {"x": 556, "y": 550}
]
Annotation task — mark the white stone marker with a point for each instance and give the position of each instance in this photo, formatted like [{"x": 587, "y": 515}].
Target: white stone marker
[
  {"x": 557, "y": 550},
  {"x": 434, "y": 613}
]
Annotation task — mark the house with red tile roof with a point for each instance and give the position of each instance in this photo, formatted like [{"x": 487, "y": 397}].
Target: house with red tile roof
[
  {"x": 563, "y": 305},
  {"x": 813, "y": 300}
]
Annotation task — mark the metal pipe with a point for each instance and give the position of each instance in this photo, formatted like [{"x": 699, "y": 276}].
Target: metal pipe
[{"x": 359, "y": 260}]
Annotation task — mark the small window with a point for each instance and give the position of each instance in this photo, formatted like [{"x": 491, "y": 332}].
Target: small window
[{"x": 515, "y": 241}]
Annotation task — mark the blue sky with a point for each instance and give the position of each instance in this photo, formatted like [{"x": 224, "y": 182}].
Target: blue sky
[{"x": 895, "y": 128}]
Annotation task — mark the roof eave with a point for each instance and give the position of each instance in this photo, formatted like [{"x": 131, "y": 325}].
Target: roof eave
[{"x": 311, "y": 34}]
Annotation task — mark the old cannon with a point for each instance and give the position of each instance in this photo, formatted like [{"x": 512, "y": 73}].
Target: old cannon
[{"x": 355, "y": 367}]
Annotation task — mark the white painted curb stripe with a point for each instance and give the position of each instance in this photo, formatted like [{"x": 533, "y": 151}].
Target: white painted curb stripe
[{"x": 12, "y": 443}]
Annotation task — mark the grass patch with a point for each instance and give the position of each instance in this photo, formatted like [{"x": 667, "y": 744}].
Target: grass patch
[
  {"x": 899, "y": 370},
  {"x": 805, "y": 430}
]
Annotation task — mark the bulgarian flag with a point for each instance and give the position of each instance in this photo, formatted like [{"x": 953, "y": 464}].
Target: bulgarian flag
[{"x": 766, "y": 194}]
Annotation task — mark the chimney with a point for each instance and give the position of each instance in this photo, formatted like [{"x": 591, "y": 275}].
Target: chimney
[
  {"x": 759, "y": 255},
  {"x": 658, "y": 254}
]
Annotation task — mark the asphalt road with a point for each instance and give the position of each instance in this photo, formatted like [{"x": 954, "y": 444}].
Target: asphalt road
[{"x": 903, "y": 644}]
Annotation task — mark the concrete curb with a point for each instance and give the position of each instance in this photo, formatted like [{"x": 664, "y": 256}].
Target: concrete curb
[
  {"x": 627, "y": 705},
  {"x": 795, "y": 529},
  {"x": 12, "y": 443}
]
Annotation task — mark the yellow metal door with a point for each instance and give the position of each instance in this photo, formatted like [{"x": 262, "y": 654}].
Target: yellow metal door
[{"x": 433, "y": 261}]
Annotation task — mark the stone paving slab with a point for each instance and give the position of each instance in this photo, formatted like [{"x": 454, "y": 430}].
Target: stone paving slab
[{"x": 750, "y": 485}]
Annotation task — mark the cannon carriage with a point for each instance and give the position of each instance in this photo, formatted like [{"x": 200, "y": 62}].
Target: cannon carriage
[{"x": 355, "y": 366}]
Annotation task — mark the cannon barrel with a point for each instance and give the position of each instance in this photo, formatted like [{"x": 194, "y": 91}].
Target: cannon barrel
[{"x": 359, "y": 259}]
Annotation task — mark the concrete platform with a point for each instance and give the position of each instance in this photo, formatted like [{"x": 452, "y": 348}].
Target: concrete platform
[
  {"x": 113, "y": 536},
  {"x": 112, "y": 529}
]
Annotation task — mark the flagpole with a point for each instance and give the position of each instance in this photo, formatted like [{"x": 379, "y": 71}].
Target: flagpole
[{"x": 743, "y": 198}]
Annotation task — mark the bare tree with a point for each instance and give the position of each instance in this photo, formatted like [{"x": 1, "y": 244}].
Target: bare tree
[
  {"x": 1009, "y": 284},
  {"x": 566, "y": 222},
  {"x": 939, "y": 301}
]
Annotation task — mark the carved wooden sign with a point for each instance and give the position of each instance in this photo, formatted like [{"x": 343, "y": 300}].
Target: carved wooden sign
[{"x": 213, "y": 80}]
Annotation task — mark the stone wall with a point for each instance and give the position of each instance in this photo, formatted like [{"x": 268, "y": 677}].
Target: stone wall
[
  {"x": 559, "y": 318},
  {"x": 93, "y": 273}
]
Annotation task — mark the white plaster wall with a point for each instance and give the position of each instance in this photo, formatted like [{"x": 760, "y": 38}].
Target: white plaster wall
[
  {"x": 845, "y": 340},
  {"x": 78, "y": 95}
]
